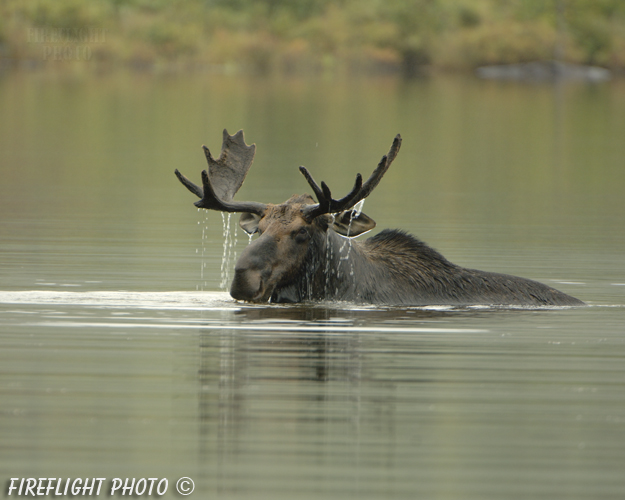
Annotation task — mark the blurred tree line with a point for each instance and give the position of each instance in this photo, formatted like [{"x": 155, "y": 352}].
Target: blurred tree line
[{"x": 302, "y": 36}]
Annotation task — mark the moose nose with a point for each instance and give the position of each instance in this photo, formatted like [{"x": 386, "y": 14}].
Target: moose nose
[
  {"x": 246, "y": 285},
  {"x": 253, "y": 270}
]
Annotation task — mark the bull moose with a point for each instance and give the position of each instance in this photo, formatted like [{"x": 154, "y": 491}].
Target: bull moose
[{"x": 305, "y": 249}]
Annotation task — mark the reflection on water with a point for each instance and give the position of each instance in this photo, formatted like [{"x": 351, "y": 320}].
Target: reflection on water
[
  {"x": 301, "y": 401},
  {"x": 119, "y": 357}
]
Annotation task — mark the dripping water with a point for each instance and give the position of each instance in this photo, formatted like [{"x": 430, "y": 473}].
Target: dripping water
[
  {"x": 358, "y": 207},
  {"x": 204, "y": 225},
  {"x": 347, "y": 243},
  {"x": 229, "y": 254},
  {"x": 358, "y": 210},
  {"x": 327, "y": 271},
  {"x": 229, "y": 250}
]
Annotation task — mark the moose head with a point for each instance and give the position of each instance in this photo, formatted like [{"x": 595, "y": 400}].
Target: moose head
[{"x": 289, "y": 260}]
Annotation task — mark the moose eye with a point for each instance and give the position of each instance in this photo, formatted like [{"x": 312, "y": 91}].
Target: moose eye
[{"x": 301, "y": 235}]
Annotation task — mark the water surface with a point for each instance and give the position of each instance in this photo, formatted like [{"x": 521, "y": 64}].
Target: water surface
[{"x": 120, "y": 356}]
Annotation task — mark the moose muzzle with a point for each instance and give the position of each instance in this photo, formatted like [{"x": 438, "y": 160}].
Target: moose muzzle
[{"x": 253, "y": 271}]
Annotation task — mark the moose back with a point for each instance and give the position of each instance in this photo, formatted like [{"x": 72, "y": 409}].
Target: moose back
[{"x": 306, "y": 251}]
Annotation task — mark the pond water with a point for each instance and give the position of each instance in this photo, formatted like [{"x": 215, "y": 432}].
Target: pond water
[{"x": 122, "y": 357}]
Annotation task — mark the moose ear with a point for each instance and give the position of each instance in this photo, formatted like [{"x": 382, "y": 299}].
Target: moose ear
[
  {"x": 351, "y": 223},
  {"x": 249, "y": 222}
]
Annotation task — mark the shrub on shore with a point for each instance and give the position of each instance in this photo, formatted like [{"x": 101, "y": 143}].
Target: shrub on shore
[{"x": 300, "y": 36}]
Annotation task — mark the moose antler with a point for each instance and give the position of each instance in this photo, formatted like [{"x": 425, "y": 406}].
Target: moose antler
[
  {"x": 328, "y": 205},
  {"x": 225, "y": 176}
]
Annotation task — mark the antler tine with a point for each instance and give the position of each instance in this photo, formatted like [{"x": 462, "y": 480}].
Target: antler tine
[
  {"x": 210, "y": 201},
  {"x": 315, "y": 187},
  {"x": 380, "y": 170},
  {"x": 359, "y": 192},
  {"x": 194, "y": 188}
]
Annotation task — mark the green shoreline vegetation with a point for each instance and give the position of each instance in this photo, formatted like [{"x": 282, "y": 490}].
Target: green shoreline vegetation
[{"x": 310, "y": 36}]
